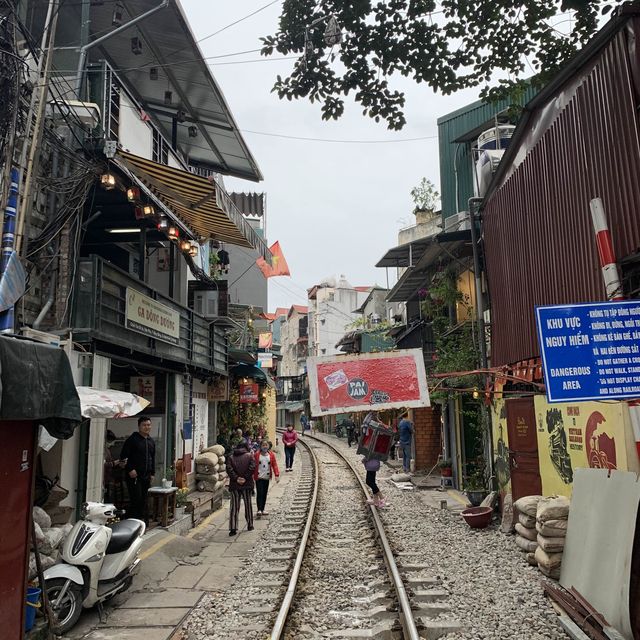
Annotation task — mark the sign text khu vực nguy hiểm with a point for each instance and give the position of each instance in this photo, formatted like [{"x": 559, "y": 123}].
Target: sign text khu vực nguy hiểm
[
  {"x": 590, "y": 351},
  {"x": 150, "y": 317}
]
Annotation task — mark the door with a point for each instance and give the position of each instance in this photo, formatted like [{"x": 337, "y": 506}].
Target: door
[
  {"x": 16, "y": 474},
  {"x": 523, "y": 448}
]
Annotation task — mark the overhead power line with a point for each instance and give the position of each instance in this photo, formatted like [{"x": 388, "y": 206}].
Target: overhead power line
[{"x": 232, "y": 24}]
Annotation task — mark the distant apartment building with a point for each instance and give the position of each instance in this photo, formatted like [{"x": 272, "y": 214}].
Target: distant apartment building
[{"x": 332, "y": 311}]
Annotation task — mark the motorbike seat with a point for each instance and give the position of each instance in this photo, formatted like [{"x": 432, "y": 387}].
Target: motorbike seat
[{"x": 123, "y": 534}]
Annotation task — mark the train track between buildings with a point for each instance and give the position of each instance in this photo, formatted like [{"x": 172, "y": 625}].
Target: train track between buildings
[{"x": 340, "y": 533}]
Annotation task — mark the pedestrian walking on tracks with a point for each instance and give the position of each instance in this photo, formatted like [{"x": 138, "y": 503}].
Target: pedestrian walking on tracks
[
  {"x": 266, "y": 469},
  {"x": 405, "y": 435},
  {"x": 372, "y": 467},
  {"x": 289, "y": 439},
  {"x": 240, "y": 469}
]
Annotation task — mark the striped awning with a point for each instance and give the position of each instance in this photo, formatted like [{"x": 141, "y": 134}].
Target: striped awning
[{"x": 199, "y": 203}]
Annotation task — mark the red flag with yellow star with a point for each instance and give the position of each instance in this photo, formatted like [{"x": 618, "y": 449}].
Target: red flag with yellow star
[{"x": 278, "y": 266}]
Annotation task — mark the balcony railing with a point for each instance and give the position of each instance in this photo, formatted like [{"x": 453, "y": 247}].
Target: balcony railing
[{"x": 100, "y": 312}]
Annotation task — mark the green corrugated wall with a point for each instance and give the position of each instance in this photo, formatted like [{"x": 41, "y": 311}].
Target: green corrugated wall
[{"x": 451, "y": 127}]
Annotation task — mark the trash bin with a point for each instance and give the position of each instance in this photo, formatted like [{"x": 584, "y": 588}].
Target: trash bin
[{"x": 33, "y": 603}]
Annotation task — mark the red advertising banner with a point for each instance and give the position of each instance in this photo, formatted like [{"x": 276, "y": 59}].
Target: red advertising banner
[
  {"x": 368, "y": 381},
  {"x": 249, "y": 393}
]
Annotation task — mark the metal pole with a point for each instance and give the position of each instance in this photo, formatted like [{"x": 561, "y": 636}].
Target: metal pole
[
  {"x": 8, "y": 239},
  {"x": 478, "y": 282},
  {"x": 85, "y": 49},
  {"x": 142, "y": 254}
]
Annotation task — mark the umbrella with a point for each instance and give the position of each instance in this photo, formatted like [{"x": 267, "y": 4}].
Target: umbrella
[{"x": 107, "y": 403}]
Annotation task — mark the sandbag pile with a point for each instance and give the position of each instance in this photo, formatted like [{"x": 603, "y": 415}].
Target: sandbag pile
[
  {"x": 526, "y": 533},
  {"x": 49, "y": 539},
  {"x": 552, "y": 517},
  {"x": 210, "y": 469}
]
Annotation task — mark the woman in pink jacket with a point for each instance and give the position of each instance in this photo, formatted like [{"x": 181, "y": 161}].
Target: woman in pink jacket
[{"x": 289, "y": 439}]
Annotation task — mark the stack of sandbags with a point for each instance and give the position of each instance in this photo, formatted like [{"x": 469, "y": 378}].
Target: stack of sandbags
[
  {"x": 552, "y": 517},
  {"x": 210, "y": 469},
  {"x": 49, "y": 540},
  {"x": 526, "y": 533}
]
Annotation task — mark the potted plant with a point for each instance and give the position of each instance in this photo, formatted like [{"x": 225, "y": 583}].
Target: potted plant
[
  {"x": 446, "y": 470},
  {"x": 181, "y": 502},
  {"x": 475, "y": 487},
  {"x": 167, "y": 481}
]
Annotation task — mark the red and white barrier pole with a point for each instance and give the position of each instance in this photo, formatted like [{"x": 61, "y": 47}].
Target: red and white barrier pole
[
  {"x": 613, "y": 288},
  {"x": 612, "y": 284}
]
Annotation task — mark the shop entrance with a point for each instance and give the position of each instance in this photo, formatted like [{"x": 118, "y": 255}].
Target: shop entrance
[{"x": 523, "y": 448}]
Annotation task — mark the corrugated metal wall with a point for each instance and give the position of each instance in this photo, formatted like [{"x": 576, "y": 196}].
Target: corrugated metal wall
[
  {"x": 539, "y": 241},
  {"x": 451, "y": 127}
]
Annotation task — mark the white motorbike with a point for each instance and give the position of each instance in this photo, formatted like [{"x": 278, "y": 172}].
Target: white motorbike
[{"x": 98, "y": 561}]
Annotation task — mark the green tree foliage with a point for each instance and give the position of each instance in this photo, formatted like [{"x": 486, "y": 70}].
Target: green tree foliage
[{"x": 449, "y": 45}]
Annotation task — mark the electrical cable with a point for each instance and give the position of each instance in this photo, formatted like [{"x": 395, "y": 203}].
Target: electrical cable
[{"x": 232, "y": 24}]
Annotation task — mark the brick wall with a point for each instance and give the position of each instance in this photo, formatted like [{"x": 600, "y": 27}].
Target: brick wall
[{"x": 428, "y": 436}]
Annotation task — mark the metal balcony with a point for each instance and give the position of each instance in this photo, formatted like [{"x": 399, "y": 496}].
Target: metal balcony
[{"x": 100, "y": 314}]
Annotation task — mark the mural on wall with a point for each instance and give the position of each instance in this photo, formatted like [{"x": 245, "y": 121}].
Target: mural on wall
[
  {"x": 558, "y": 445},
  {"x": 501, "y": 446},
  {"x": 578, "y": 435}
]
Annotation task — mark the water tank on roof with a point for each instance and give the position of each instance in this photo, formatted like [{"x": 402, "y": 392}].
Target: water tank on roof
[{"x": 491, "y": 146}]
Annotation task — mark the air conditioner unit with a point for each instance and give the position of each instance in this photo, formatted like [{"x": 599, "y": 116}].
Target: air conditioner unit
[
  {"x": 41, "y": 336},
  {"x": 205, "y": 303},
  {"x": 457, "y": 222}
]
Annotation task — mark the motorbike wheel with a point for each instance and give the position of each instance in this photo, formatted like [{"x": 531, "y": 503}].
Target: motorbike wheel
[{"x": 67, "y": 612}]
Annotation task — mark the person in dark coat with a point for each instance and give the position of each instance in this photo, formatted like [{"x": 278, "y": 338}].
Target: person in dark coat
[
  {"x": 139, "y": 455},
  {"x": 240, "y": 467}
]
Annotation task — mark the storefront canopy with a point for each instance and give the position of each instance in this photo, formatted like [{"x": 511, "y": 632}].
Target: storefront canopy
[
  {"x": 251, "y": 371},
  {"x": 36, "y": 384},
  {"x": 203, "y": 206}
]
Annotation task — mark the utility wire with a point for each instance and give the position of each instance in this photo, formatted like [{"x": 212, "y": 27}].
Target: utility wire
[{"x": 232, "y": 24}]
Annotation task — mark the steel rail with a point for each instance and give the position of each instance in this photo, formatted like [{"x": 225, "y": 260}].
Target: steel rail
[
  {"x": 407, "y": 621},
  {"x": 277, "y": 630}
]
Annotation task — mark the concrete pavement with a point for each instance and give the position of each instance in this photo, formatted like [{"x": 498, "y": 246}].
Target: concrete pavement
[{"x": 175, "y": 573}]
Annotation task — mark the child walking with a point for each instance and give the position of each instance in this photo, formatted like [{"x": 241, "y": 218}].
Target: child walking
[
  {"x": 372, "y": 467},
  {"x": 266, "y": 468}
]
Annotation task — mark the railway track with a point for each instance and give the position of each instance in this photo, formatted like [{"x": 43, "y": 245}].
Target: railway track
[{"x": 345, "y": 581}]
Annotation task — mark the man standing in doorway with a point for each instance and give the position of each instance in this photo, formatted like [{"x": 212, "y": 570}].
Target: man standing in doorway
[
  {"x": 405, "y": 436},
  {"x": 139, "y": 455}
]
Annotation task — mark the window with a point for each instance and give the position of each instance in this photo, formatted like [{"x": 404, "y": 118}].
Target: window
[{"x": 160, "y": 152}]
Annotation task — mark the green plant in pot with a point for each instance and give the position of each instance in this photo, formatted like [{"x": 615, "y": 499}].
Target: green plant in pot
[
  {"x": 446, "y": 470},
  {"x": 475, "y": 487}
]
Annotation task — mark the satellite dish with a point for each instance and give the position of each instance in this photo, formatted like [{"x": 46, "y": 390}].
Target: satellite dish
[{"x": 332, "y": 33}]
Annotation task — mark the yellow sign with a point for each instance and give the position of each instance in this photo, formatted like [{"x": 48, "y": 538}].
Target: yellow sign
[
  {"x": 578, "y": 435},
  {"x": 150, "y": 317}
]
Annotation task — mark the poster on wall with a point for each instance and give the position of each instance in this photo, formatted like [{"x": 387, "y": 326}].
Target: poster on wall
[
  {"x": 199, "y": 415},
  {"x": 579, "y": 435},
  {"x": 145, "y": 387},
  {"x": 249, "y": 393},
  {"x": 265, "y": 360},
  {"x": 367, "y": 382},
  {"x": 501, "y": 446},
  {"x": 218, "y": 390}
]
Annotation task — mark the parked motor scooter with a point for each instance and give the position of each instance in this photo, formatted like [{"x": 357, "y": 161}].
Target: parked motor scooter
[{"x": 98, "y": 561}]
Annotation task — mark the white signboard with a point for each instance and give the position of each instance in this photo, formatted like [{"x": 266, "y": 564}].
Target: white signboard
[{"x": 150, "y": 317}]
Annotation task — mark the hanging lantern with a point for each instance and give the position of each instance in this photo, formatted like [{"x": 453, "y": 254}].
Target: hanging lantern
[
  {"x": 193, "y": 250},
  {"x": 185, "y": 245},
  {"x": 163, "y": 223},
  {"x": 133, "y": 194},
  {"x": 173, "y": 232},
  {"x": 148, "y": 210},
  {"x": 107, "y": 181}
]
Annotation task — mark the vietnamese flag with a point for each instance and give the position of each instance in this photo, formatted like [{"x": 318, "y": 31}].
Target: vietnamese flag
[{"x": 279, "y": 266}]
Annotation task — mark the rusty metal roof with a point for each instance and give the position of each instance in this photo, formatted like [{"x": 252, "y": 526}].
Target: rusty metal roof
[{"x": 579, "y": 140}]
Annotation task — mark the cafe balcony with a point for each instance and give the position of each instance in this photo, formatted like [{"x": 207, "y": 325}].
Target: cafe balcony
[{"x": 112, "y": 307}]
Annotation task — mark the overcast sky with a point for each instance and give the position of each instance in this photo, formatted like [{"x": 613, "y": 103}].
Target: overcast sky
[{"x": 335, "y": 208}]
